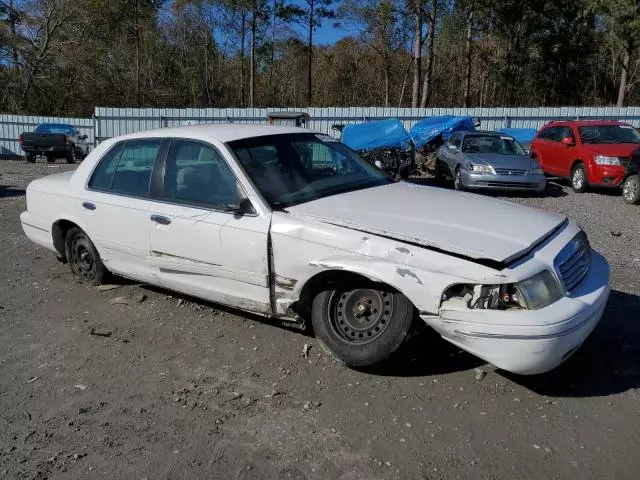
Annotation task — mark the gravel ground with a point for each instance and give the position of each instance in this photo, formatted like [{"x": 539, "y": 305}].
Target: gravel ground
[{"x": 138, "y": 383}]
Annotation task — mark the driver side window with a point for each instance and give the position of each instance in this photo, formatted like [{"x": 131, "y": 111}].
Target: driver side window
[{"x": 197, "y": 174}]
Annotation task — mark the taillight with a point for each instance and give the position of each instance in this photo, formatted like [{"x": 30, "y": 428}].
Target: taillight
[{"x": 21, "y": 139}]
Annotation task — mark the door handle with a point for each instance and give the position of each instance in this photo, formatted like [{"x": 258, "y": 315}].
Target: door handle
[
  {"x": 89, "y": 205},
  {"x": 160, "y": 219}
]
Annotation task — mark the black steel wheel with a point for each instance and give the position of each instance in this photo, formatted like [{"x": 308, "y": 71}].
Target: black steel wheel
[
  {"x": 361, "y": 323},
  {"x": 84, "y": 260},
  {"x": 631, "y": 189}
]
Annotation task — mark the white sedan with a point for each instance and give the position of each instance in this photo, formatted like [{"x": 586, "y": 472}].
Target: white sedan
[{"x": 291, "y": 224}]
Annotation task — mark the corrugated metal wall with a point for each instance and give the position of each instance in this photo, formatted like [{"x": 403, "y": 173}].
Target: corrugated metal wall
[
  {"x": 111, "y": 122},
  {"x": 11, "y": 126}
]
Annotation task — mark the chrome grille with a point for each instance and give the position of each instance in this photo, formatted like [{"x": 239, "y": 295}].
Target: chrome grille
[
  {"x": 510, "y": 171},
  {"x": 573, "y": 262}
]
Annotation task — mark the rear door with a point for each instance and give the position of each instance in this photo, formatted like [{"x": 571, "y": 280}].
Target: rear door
[
  {"x": 116, "y": 207},
  {"x": 199, "y": 245}
]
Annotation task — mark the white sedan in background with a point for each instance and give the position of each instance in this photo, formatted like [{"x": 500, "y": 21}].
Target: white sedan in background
[{"x": 291, "y": 224}]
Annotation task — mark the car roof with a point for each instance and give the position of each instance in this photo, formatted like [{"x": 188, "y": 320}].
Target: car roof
[
  {"x": 224, "y": 132},
  {"x": 583, "y": 123}
]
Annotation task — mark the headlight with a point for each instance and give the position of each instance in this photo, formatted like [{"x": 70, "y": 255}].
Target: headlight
[
  {"x": 604, "y": 160},
  {"x": 482, "y": 169},
  {"x": 536, "y": 171},
  {"x": 540, "y": 290}
]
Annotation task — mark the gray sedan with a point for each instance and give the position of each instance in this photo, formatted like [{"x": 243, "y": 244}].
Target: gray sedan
[{"x": 488, "y": 160}]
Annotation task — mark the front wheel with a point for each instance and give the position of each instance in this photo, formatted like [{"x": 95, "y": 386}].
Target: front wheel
[
  {"x": 361, "y": 323},
  {"x": 50, "y": 158},
  {"x": 31, "y": 158},
  {"x": 579, "y": 178},
  {"x": 71, "y": 156},
  {"x": 631, "y": 189},
  {"x": 84, "y": 260}
]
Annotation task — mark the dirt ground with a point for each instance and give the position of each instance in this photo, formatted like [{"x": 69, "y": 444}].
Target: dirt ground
[{"x": 134, "y": 382}]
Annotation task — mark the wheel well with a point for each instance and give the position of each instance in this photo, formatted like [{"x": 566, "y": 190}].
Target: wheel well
[
  {"x": 59, "y": 232},
  {"x": 574, "y": 164},
  {"x": 317, "y": 283}
]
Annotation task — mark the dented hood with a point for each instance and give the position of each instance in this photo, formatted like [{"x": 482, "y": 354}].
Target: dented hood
[{"x": 465, "y": 224}]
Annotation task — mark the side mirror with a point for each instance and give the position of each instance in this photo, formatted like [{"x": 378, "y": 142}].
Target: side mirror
[
  {"x": 243, "y": 206},
  {"x": 568, "y": 141}
]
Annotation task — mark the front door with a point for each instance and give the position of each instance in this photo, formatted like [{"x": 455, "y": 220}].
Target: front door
[{"x": 199, "y": 245}]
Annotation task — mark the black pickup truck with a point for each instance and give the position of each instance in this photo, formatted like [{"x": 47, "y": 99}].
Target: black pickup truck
[{"x": 54, "y": 140}]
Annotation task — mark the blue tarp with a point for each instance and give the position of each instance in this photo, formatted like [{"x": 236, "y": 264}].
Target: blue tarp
[
  {"x": 388, "y": 133},
  {"x": 428, "y": 129},
  {"x": 523, "y": 135}
]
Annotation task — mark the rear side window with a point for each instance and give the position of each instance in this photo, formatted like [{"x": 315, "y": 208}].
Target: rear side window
[
  {"x": 127, "y": 168},
  {"x": 103, "y": 175}
]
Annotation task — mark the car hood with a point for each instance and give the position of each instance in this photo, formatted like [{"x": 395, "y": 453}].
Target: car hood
[
  {"x": 613, "y": 149},
  {"x": 465, "y": 224},
  {"x": 500, "y": 161}
]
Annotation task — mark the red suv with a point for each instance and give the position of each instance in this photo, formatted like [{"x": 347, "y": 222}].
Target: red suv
[{"x": 605, "y": 153}]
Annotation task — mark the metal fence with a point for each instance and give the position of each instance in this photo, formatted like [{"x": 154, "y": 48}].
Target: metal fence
[{"x": 111, "y": 122}]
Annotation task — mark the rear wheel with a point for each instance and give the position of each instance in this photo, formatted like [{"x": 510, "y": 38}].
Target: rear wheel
[
  {"x": 579, "y": 178},
  {"x": 84, "y": 260},
  {"x": 631, "y": 189},
  {"x": 31, "y": 158},
  {"x": 361, "y": 322}
]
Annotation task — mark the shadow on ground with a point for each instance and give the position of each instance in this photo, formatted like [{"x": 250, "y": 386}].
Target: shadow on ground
[
  {"x": 9, "y": 191},
  {"x": 607, "y": 363}
]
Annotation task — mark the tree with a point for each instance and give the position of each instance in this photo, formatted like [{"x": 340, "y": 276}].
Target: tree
[
  {"x": 378, "y": 25},
  {"x": 310, "y": 17},
  {"x": 428, "y": 74},
  {"x": 622, "y": 17}
]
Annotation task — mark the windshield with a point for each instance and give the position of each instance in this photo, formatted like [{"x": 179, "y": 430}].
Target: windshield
[
  {"x": 491, "y": 144},
  {"x": 295, "y": 168},
  {"x": 609, "y": 134}
]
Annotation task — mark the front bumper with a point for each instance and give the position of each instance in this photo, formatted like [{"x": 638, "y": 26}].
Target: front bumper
[
  {"x": 606, "y": 175},
  {"x": 503, "y": 182},
  {"x": 530, "y": 342}
]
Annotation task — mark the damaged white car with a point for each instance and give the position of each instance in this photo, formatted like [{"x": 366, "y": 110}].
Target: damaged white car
[{"x": 291, "y": 224}]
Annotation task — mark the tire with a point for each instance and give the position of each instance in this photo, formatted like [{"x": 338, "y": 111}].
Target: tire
[
  {"x": 84, "y": 260},
  {"x": 31, "y": 158},
  {"x": 457, "y": 181},
  {"x": 376, "y": 334},
  {"x": 50, "y": 158},
  {"x": 71, "y": 156},
  {"x": 578, "y": 178},
  {"x": 631, "y": 190},
  {"x": 437, "y": 173}
]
